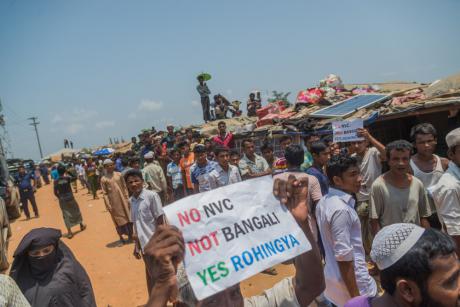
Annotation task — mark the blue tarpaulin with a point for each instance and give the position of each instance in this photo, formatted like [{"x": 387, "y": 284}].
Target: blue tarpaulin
[{"x": 103, "y": 152}]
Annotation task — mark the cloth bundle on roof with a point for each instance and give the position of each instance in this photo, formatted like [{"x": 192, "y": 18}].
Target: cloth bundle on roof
[
  {"x": 443, "y": 86},
  {"x": 311, "y": 95},
  {"x": 269, "y": 119}
]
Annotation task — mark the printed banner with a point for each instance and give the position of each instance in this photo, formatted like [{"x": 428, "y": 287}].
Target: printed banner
[
  {"x": 234, "y": 232},
  {"x": 346, "y": 131}
]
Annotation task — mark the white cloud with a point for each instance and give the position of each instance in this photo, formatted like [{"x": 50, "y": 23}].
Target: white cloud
[
  {"x": 57, "y": 119},
  {"x": 74, "y": 128},
  {"x": 195, "y": 103},
  {"x": 74, "y": 121},
  {"x": 229, "y": 92},
  {"x": 150, "y": 105},
  {"x": 105, "y": 124}
]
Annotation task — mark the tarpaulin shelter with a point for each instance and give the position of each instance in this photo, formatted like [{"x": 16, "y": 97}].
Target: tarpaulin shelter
[
  {"x": 61, "y": 154},
  {"x": 103, "y": 152}
]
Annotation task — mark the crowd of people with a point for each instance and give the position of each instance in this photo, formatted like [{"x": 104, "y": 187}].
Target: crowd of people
[{"x": 367, "y": 208}]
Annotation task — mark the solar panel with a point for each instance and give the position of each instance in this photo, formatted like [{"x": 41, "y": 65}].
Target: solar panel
[{"x": 349, "y": 105}]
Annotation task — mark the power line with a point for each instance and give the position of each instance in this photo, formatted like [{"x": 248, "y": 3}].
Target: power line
[{"x": 35, "y": 124}]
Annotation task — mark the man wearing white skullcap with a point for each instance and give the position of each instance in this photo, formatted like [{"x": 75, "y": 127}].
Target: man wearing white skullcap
[
  {"x": 418, "y": 267},
  {"x": 446, "y": 193},
  {"x": 116, "y": 200}
]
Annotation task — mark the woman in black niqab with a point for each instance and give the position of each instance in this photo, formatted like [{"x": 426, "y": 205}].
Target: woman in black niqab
[{"x": 47, "y": 272}]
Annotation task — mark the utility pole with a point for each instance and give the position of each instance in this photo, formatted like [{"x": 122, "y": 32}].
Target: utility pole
[{"x": 35, "y": 124}]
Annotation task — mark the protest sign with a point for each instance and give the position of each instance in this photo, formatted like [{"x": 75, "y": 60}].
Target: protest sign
[
  {"x": 234, "y": 232},
  {"x": 346, "y": 131}
]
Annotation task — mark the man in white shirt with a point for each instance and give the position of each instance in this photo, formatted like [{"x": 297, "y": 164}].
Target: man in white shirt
[
  {"x": 147, "y": 214},
  {"x": 346, "y": 271},
  {"x": 446, "y": 193},
  {"x": 223, "y": 173}
]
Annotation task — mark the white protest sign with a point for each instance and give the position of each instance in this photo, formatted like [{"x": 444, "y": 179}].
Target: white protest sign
[
  {"x": 234, "y": 232},
  {"x": 346, "y": 131}
]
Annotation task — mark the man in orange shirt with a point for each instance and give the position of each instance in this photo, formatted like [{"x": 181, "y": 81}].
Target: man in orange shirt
[{"x": 187, "y": 160}]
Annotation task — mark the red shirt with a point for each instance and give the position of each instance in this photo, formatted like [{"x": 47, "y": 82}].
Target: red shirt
[{"x": 227, "y": 141}]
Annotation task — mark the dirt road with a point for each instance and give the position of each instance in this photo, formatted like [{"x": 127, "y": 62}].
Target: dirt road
[{"x": 118, "y": 278}]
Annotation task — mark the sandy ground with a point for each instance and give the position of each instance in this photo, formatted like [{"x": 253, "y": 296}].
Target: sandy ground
[{"x": 118, "y": 279}]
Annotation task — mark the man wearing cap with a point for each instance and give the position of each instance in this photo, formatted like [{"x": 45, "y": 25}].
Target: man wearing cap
[
  {"x": 446, "y": 193},
  {"x": 155, "y": 177},
  {"x": 418, "y": 268},
  {"x": 116, "y": 200},
  {"x": 201, "y": 169}
]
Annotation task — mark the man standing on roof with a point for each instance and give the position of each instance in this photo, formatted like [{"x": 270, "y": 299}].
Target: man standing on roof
[
  {"x": 425, "y": 165},
  {"x": 204, "y": 92},
  {"x": 253, "y": 104},
  {"x": 224, "y": 138}
]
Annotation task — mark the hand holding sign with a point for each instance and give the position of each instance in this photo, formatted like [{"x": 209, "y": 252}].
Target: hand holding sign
[
  {"x": 169, "y": 245},
  {"x": 347, "y": 131},
  {"x": 363, "y": 133},
  {"x": 236, "y": 231},
  {"x": 293, "y": 193},
  {"x": 167, "y": 249}
]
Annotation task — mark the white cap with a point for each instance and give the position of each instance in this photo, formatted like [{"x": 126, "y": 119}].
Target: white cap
[
  {"x": 149, "y": 155},
  {"x": 108, "y": 162},
  {"x": 392, "y": 242},
  {"x": 453, "y": 138}
]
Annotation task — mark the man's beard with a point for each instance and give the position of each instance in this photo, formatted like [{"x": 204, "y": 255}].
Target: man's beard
[{"x": 428, "y": 301}]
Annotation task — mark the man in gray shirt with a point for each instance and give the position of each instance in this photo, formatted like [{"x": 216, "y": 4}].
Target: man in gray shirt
[
  {"x": 397, "y": 196},
  {"x": 204, "y": 92},
  {"x": 147, "y": 214},
  {"x": 369, "y": 153}
]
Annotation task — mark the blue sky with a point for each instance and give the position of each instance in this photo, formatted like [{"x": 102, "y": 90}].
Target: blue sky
[{"x": 94, "y": 69}]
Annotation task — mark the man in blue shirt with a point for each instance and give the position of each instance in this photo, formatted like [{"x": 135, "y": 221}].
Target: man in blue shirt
[
  {"x": 321, "y": 154},
  {"x": 26, "y": 184},
  {"x": 200, "y": 170}
]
